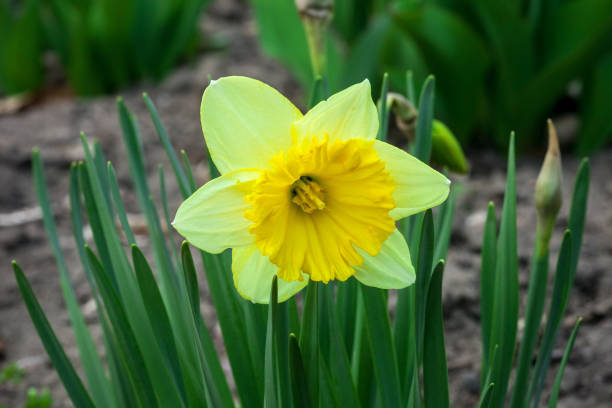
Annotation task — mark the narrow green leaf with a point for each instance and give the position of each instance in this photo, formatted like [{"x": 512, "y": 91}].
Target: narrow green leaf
[
  {"x": 487, "y": 288},
  {"x": 346, "y": 304},
  {"x": 129, "y": 350},
  {"x": 384, "y": 357},
  {"x": 309, "y": 339},
  {"x": 114, "y": 186},
  {"x": 181, "y": 178},
  {"x": 164, "y": 200},
  {"x": 383, "y": 109},
  {"x": 424, "y": 269},
  {"x": 554, "y": 395},
  {"x": 217, "y": 386},
  {"x": 158, "y": 316},
  {"x": 558, "y": 303},
  {"x": 536, "y": 297},
  {"x": 410, "y": 87},
  {"x": 190, "y": 179},
  {"x": 298, "y": 375},
  {"x": 362, "y": 369},
  {"x": 505, "y": 300},
  {"x": 435, "y": 372},
  {"x": 444, "y": 226},
  {"x": 272, "y": 391},
  {"x": 422, "y": 147},
  {"x": 578, "y": 212},
  {"x": 74, "y": 387},
  {"x": 92, "y": 364},
  {"x": 487, "y": 387}
]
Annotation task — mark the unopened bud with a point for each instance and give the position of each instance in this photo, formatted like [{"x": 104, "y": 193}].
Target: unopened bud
[
  {"x": 446, "y": 150},
  {"x": 548, "y": 194},
  {"x": 548, "y": 189},
  {"x": 405, "y": 113},
  {"x": 316, "y": 16}
]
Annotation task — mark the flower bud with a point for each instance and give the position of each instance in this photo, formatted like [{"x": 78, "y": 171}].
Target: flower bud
[
  {"x": 316, "y": 16},
  {"x": 405, "y": 113},
  {"x": 446, "y": 150},
  {"x": 548, "y": 189}
]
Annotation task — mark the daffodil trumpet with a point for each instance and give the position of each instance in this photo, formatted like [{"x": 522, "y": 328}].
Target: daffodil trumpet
[{"x": 303, "y": 197}]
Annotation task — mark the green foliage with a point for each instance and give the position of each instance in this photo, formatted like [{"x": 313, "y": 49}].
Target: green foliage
[
  {"x": 21, "y": 46},
  {"x": 500, "y": 66},
  {"x": 12, "y": 373},
  {"x": 105, "y": 45},
  {"x": 343, "y": 349},
  {"x": 39, "y": 399}
]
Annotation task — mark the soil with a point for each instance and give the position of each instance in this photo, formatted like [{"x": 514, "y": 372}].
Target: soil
[{"x": 54, "y": 126}]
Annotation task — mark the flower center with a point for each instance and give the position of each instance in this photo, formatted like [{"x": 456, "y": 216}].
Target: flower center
[
  {"x": 318, "y": 204},
  {"x": 308, "y": 194}
]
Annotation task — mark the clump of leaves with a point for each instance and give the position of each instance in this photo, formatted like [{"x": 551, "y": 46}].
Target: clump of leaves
[
  {"x": 105, "y": 45},
  {"x": 499, "y": 66}
]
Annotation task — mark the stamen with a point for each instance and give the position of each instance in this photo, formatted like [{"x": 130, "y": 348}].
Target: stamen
[{"x": 308, "y": 194}]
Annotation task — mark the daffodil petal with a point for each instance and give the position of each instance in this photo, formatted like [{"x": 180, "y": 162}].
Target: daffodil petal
[
  {"x": 417, "y": 186},
  {"x": 349, "y": 114},
  {"x": 212, "y": 218},
  {"x": 253, "y": 275},
  {"x": 245, "y": 122},
  {"x": 391, "y": 268}
]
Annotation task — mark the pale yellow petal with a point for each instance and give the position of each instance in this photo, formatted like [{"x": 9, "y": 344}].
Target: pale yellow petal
[
  {"x": 349, "y": 114},
  {"x": 253, "y": 275},
  {"x": 245, "y": 122},
  {"x": 391, "y": 268},
  {"x": 212, "y": 218},
  {"x": 417, "y": 186}
]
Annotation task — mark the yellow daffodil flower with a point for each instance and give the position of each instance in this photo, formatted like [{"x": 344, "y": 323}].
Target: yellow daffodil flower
[{"x": 311, "y": 196}]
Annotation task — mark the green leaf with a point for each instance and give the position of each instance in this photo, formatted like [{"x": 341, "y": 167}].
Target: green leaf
[
  {"x": 383, "y": 110},
  {"x": 424, "y": 269},
  {"x": 554, "y": 395},
  {"x": 74, "y": 387},
  {"x": 278, "y": 26},
  {"x": 121, "y": 213},
  {"x": 92, "y": 364},
  {"x": 298, "y": 375},
  {"x": 384, "y": 357},
  {"x": 455, "y": 54},
  {"x": 214, "y": 376},
  {"x": 422, "y": 147},
  {"x": 536, "y": 297},
  {"x": 435, "y": 373},
  {"x": 558, "y": 302},
  {"x": 158, "y": 317},
  {"x": 309, "y": 339},
  {"x": 487, "y": 287},
  {"x": 132, "y": 360},
  {"x": 578, "y": 212},
  {"x": 181, "y": 178},
  {"x": 444, "y": 226},
  {"x": 595, "y": 100},
  {"x": 505, "y": 298},
  {"x": 272, "y": 391}
]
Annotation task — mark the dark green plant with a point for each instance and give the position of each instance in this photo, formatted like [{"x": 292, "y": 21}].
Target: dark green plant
[
  {"x": 21, "y": 46},
  {"x": 105, "y": 45},
  {"x": 500, "y": 66}
]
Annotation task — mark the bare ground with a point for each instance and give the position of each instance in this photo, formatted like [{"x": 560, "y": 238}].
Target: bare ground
[{"x": 54, "y": 127}]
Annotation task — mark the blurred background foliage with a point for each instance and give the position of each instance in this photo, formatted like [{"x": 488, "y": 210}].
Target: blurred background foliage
[
  {"x": 499, "y": 66},
  {"x": 102, "y": 45}
]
